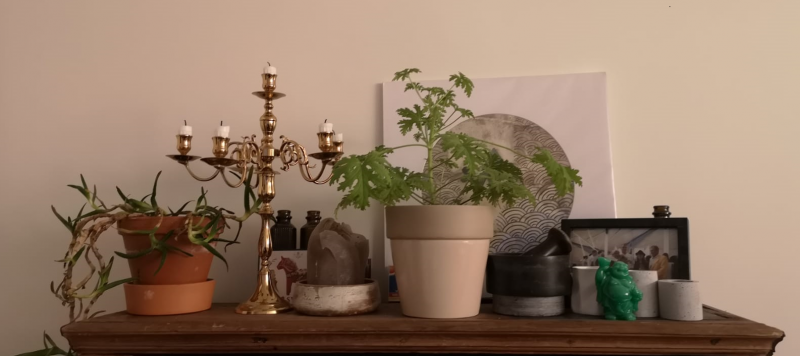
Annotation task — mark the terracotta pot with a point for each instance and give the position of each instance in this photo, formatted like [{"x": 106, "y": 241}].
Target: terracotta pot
[
  {"x": 178, "y": 268},
  {"x": 439, "y": 254},
  {"x": 168, "y": 299}
]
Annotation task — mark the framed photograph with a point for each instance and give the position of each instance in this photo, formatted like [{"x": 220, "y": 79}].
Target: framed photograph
[{"x": 660, "y": 244}]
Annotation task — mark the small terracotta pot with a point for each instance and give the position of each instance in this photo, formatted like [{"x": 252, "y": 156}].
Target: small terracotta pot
[
  {"x": 178, "y": 268},
  {"x": 168, "y": 299}
]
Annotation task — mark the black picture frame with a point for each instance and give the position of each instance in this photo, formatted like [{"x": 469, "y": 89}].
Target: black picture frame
[{"x": 681, "y": 270}]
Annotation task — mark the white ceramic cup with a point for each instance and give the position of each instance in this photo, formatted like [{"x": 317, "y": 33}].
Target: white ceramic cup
[
  {"x": 679, "y": 299},
  {"x": 584, "y": 291},
  {"x": 647, "y": 282}
]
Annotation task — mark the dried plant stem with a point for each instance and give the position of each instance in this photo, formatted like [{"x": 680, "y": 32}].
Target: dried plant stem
[{"x": 86, "y": 235}]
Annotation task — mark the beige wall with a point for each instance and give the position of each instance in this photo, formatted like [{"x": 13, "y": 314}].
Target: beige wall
[{"x": 703, "y": 99}]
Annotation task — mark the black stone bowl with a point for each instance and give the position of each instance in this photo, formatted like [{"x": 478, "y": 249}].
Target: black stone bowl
[{"x": 528, "y": 276}]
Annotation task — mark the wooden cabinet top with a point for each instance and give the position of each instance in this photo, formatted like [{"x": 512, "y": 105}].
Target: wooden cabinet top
[{"x": 220, "y": 330}]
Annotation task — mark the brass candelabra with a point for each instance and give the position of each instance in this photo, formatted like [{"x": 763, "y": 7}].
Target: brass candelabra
[{"x": 247, "y": 154}]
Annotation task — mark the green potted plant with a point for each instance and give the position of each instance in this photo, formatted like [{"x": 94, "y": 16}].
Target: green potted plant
[
  {"x": 439, "y": 247},
  {"x": 169, "y": 254}
]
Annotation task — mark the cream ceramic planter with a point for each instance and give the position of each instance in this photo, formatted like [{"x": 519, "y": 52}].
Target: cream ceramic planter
[{"x": 439, "y": 254}]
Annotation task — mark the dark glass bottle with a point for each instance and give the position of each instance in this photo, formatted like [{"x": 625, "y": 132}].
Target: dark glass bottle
[
  {"x": 312, "y": 220},
  {"x": 284, "y": 234}
]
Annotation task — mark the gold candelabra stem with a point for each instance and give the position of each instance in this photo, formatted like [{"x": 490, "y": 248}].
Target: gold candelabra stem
[{"x": 250, "y": 155}]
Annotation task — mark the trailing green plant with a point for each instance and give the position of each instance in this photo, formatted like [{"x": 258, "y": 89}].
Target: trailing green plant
[
  {"x": 486, "y": 177},
  {"x": 86, "y": 227}
]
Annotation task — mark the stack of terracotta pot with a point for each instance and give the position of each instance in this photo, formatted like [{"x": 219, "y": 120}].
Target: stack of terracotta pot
[{"x": 181, "y": 285}]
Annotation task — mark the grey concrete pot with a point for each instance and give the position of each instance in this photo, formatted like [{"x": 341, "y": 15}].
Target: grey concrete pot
[{"x": 679, "y": 299}]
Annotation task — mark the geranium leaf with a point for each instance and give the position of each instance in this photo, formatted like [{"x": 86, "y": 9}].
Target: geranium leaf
[{"x": 564, "y": 177}]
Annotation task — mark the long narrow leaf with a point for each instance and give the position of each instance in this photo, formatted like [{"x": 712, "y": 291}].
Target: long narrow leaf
[
  {"x": 115, "y": 283},
  {"x": 94, "y": 197},
  {"x": 213, "y": 227},
  {"x": 96, "y": 313},
  {"x": 176, "y": 249},
  {"x": 141, "y": 207},
  {"x": 235, "y": 239},
  {"x": 63, "y": 221},
  {"x": 85, "y": 192},
  {"x": 105, "y": 272},
  {"x": 163, "y": 259},
  {"x": 91, "y": 213},
  {"x": 153, "y": 194},
  {"x": 133, "y": 255},
  {"x": 80, "y": 212},
  {"x": 122, "y": 195},
  {"x": 248, "y": 191},
  {"x": 83, "y": 183},
  {"x": 201, "y": 201},
  {"x": 77, "y": 255},
  {"x": 43, "y": 352},
  {"x": 214, "y": 252},
  {"x": 180, "y": 210}
]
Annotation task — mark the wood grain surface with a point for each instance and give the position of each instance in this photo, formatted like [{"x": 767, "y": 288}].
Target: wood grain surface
[{"x": 220, "y": 330}]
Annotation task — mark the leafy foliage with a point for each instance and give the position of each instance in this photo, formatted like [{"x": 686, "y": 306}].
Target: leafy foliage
[
  {"x": 562, "y": 176},
  {"x": 50, "y": 349},
  {"x": 370, "y": 176},
  {"x": 487, "y": 176},
  {"x": 203, "y": 226}
]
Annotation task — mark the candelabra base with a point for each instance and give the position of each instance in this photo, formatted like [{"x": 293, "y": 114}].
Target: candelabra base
[
  {"x": 263, "y": 307},
  {"x": 265, "y": 299}
]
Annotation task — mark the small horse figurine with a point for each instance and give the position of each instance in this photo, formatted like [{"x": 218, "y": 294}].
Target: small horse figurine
[{"x": 293, "y": 274}]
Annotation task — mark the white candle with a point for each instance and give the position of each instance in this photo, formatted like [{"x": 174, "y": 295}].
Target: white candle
[
  {"x": 186, "y": 130},
  {"x": 338, "y": 137},
  {"x": 272, "y": 70},
  {"x": 223, "y": 131},
  {"x": 326, "y": 127}
]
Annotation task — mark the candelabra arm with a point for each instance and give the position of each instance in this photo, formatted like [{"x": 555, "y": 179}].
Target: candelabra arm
[
  {"x": 306, "y": 173},
  {"x": 201, "y": 178},
  {"x": 242, "y": 178},
  {"x": 292, "y": 153}
]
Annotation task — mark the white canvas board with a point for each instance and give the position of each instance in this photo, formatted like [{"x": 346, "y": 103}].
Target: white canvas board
[{"x": 571, "y": 108}]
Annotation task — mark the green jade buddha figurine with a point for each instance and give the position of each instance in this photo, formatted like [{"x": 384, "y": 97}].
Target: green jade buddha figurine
[{"x": 616, "y": 291}]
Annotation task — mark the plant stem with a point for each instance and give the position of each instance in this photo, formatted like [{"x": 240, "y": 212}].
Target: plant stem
[
  {"x": 420, "y": 199},
  {"x": 430, "y": 173},
  {"x": 409, "y": 145},
  {"x": 506, "y": 148},
  {"x": 446, "y": 184},
  {"x": 448, "y": 119},
  {"x": 443, "y": 162},
  {"x": 452, "y": 123}
]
